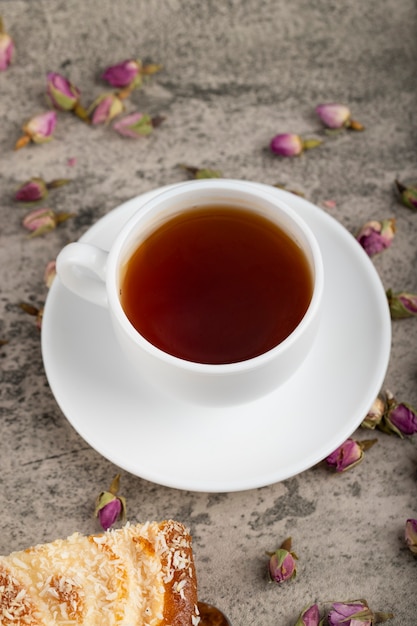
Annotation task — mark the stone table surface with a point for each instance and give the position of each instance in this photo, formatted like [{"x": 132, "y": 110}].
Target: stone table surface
[{"x": 235, "y": 73}]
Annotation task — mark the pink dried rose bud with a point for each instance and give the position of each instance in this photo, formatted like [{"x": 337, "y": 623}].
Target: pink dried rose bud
[
  {"x": 38, "y": 129},
  {"x": 310, "y": 617},
  {"x": 411, "y": 535},
  {"x": 400, "y": 418},
  {"x": 41, "y": 221},
  {"x": 374, "y": 236},
  {"x": 336, "y": 116},
  {"x": 128, "y": 74},
  {"x": 282, "y": 564},
  {"x": 375, "y": 414},
  {"x": 36, "y": 189},
  {"x": 402, "y": 304},
  {"x": 408, "y": 195},
  {"x": 286, "y": 144},
  {"x": 110, "y": 511},
  {"x": 31, "y": 191},
  {"x": 136, "y": 125},
  {"x": 62, "y": 94},
  {"x": 105, "y": 108},
  {"x": 124, "y": 74},
  {"x": 7, "y": 48},
  {"x": 349, "y": 454},
  {"x": 345, "y": 456},
  {"x": 109, "y": 506},
  {"x": 291, "y": 145},
  {"x": 356, "y": 613}
]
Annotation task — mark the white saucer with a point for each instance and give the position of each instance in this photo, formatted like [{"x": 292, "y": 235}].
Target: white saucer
[{"x": 218, "y": 450}]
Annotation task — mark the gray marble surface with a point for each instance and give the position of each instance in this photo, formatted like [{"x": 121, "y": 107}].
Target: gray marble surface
[{"x": 234, "y": 74}]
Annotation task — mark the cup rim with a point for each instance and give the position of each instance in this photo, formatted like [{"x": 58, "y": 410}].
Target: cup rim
[{"x": 208, "y": 185}]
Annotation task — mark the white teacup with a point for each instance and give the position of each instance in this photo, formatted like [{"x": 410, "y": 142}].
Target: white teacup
[{"x": 97, "y": 276}]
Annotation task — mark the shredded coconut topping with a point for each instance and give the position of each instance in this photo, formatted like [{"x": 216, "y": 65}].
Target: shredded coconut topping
[{"x": 120, "y": 578}]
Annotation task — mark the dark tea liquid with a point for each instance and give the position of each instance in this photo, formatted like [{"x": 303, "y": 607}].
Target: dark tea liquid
[{"x": 216, "y": 285}]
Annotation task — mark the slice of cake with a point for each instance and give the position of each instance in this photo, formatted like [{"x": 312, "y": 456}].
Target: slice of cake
[{"x": 140, "y": 575}]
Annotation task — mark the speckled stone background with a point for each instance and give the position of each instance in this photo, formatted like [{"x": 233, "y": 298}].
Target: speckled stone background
[{"x": 236, "y": 72}]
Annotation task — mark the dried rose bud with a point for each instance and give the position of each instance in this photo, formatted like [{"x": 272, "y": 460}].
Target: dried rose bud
[
  {"x": 349, "y": 454},
  {"x": 375, "y": 414},
  {"x": 31, "y": 191},
  {"x": 41, "y": 221},
  {"x": 200, "y": 173},
  {"x": 110, "y": 511},
  {"x": 354, "y": 614},
  {"x": 41, "y": 127},
  {"x": 399, "y": 418},
  {"x": 345, "y": 456},
  {"x": 286, "y": 144},
  {"x": 376, "y": 236},
  {"x": 136, "y": 125},
  {"x": 402, "y": 304},
  {"x": 282, "y": 564},
  {"x": 124, "y": 74},
  {"x": 333, "y": 115},
  {"x": 38, "y": 129},
  {"x": 310, "y": 617},
  {"x": 105, "y": 108},
  {"x": 36, "y": 189},
  {"x": 62, "y": 94},
  {"x": 109, "y": 506},
  {"x": 290, "y": 145},
  {"x": 402, "y": 417},
  {"x": 50, "y": 273},
  {"x": 411, "y": 535},
  {"x": 128, "y": 74},
  {"x": 408, "y": 195},
  {"x": 7, "y": 48},
  {"x": 336, "y": 116}
]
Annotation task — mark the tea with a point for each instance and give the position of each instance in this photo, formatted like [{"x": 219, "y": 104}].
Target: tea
[{"x": 216, "y": 284}]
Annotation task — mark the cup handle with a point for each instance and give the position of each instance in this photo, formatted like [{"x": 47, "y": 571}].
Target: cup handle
[{"x": 82, "y": 269}]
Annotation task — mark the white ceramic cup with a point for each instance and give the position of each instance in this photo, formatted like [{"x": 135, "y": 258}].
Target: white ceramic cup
[{"x": 95, "y": 274}]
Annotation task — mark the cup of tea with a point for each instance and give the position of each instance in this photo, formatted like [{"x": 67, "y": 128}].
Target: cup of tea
[{"x": 214, "y": 290}]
